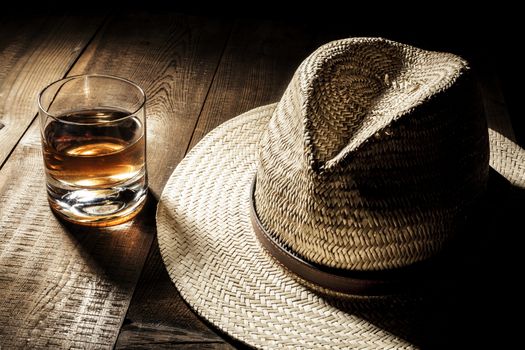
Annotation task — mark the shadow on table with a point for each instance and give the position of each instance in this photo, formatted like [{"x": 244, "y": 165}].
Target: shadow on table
[
  {"x": 116, "y": 253},
  {"x": 467, "y": 304}
]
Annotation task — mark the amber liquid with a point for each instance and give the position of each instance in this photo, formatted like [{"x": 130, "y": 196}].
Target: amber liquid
[{"x": 95, "y": 164}]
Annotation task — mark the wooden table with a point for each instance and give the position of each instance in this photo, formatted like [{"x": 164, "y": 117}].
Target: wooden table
[{"x": 63, "y": 286}]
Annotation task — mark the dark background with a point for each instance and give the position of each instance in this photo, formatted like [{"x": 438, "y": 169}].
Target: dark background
[{"x": 487, "y": 36}]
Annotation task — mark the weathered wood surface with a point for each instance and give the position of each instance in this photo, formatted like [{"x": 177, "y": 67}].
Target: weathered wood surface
[
  {"x": 254, "y": 70},
  {"x": 173, "y": 58},
  {"x": 33, "y": 53},
  {"x": 66, "y": 287}
]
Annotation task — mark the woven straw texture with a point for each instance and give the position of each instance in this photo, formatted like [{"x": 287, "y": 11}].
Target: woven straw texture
[
  {"x": 507, "y": 158},
  {"x": 372, "y": 156},
  {"x": 219, "y": 267},
  {"x": 217, "y": 264},
  {"x": 212, "y": 255}
]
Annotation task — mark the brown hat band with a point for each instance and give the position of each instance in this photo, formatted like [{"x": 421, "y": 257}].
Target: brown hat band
[{"x": 339, "y": 280}]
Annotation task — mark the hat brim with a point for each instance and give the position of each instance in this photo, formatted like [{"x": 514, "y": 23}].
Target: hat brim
[{"x": 212, "y": 255}]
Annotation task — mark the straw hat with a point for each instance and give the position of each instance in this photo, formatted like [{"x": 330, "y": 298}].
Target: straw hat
[{"x": 318, "y": 221}]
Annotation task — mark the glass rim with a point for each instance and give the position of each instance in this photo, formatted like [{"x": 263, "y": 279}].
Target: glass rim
[{"x": 72, "y": 77}]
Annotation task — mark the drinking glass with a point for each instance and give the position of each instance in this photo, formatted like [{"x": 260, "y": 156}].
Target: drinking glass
[{"x": 93, "y": 130}]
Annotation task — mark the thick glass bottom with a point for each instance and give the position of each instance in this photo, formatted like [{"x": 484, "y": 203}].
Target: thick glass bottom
[{"x": 99, "y": 207}]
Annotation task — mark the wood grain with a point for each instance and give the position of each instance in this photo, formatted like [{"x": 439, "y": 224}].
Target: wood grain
[
  {"x": 63, "y": 286},
  {"x": 257, "y": 66},
  {"x": 32, "y": 55},
  {"x": 158, "y": 318},
  {"x": 173, "y": 58},
  {"x": 254, "y": 70}
]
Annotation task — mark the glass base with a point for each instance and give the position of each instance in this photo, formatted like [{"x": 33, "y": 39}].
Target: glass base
[{"x": 100, "y": 207}]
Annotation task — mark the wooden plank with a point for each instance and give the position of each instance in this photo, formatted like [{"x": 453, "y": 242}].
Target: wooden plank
[
  {"x": 173, "y": 58},
  {"x": 34, "y": 51},
  {"x": 62, "y": 286},
  {"x": 158, "y": 318},
  {"x": 258, "y": 62},
  {"x": 257, "y": 66}
]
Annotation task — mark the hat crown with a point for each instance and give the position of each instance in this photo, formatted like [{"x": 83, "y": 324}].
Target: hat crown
[{"x": 372, "y": 155}]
